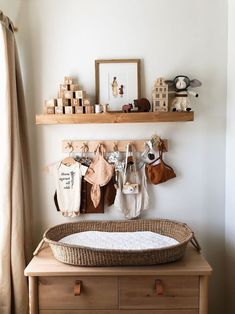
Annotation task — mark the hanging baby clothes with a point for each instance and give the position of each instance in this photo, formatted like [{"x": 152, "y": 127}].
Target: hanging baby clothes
[
  {"x": 68, "y": 187},
  {"x": 98, "y": 174},
  {"x": 87, "y": 206},
  {"x": 108, "y": 193},
  {"x": 132, "y": 196}
]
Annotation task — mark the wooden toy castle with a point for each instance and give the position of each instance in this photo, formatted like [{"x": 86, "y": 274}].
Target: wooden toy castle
[
  {"x": 160, "y": 95},
  {"x": 71, "y": 100}
]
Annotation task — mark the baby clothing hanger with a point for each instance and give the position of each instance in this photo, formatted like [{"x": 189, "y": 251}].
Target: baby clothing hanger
[
  {"x": 69, "y": 161},
  {"x": 85, "y": 160}
]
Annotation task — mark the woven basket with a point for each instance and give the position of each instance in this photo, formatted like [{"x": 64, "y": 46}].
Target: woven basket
[{"x": 84, "y": 256}]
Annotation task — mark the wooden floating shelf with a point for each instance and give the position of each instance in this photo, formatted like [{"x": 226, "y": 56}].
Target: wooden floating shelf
[{"x": 115, "y": 117}]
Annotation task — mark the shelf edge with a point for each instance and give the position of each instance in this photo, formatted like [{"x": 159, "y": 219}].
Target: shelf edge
[{"x": 137, "y": 117}]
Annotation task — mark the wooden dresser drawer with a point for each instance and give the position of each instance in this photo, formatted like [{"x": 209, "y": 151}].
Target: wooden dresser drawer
[
  {"x": 57, "y": 293},
  {"x": 161, "y": 292}
]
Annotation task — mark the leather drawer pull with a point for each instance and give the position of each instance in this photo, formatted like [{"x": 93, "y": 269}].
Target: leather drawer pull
[
  {"x": 159, "y": 287},
  {"x": 77, "y": 288}
]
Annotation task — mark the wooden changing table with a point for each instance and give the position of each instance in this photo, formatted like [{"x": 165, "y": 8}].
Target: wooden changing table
[{"x": 175, "y": 288}]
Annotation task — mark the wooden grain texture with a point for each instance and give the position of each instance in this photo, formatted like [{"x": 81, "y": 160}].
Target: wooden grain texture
[
  {"x": 180, "y": 292},
  {"x": 115, "y": 117},
  {"x": 135, "y": 285},
  {"x": 33, "y": 295},
  {"x": 96, "y": 293},
  {"x": 44, "y": 264},
  {"x": 203, "y": 298},
  {"x": 119, "y": 312}
]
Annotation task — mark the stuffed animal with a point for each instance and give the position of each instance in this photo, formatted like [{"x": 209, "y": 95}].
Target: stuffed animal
[
  {"x": 180, "y": 85},
  {"x": 127, "y": 108},
  {"x": 151, "y": 152},
  {"x": 142, "y": 104}
]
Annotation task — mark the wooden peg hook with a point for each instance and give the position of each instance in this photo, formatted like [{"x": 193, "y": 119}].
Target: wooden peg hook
[
  {"x": 77, "y": 288},
  {"x": 70, "y": 146},
  {"x": 159, "y": 287}
]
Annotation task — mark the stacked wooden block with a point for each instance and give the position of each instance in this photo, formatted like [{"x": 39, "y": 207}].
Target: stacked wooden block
[
  {"x": 71, "y": 100},
  {"x": 160, "y": 95}
]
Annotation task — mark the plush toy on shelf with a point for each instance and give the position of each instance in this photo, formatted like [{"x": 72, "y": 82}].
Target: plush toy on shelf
[{"x": 180, "y": 85}]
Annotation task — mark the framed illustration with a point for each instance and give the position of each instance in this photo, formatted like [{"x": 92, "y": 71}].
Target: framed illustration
[{"x": 117, "y": 82}]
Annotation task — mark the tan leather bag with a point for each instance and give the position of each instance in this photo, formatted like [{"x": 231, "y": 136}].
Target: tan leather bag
[{"x": 160, "y": 172}]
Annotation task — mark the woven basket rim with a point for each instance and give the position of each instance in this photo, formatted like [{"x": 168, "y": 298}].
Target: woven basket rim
[{"x": 57, "y": 243}]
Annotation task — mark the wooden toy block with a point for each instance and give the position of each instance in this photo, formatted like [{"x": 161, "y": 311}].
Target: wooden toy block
[
  {"x": 60, "y": 102},
  {"x": 68, "y": 80},
  {"x": 78, "y": 109},
  {"x": 59, "y": 110},
  {"x": 65, "y": 101},
  {"x": 51, "y": 102},
  {"x": 75, "y": 102},
  {"x": 80, "y": 94},
  {"x": 86, "y": 102},
  {"x": 89, "y": 109},
  {"x": 68, "y": 94},
  {"x": 50, "y": 110},
  {"x": 74, "y": 87},
  {"x": 68, "y": 109},
  {"x": 64, "y": 87}
]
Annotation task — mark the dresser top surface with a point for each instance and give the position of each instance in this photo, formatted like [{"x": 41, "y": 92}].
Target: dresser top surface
[{"x": 44, "y": 264}]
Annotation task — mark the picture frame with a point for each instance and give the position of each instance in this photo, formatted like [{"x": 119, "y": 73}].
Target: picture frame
[{"x": 117, "y": 82}]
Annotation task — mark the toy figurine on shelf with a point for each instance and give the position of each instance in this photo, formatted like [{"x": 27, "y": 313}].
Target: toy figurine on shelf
[
  {"x": 180, "y": 85},
  {"x": 127, "y": 108},
  {"x": 142, "y": 104}
]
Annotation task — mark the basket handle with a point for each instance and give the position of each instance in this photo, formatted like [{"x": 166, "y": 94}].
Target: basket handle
[
  {"x": 195, "y": 243},
  {"x": 39, "y": 247}
]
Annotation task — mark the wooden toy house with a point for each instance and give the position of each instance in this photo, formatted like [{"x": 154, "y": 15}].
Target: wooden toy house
[{"x": 160, "y": 95}]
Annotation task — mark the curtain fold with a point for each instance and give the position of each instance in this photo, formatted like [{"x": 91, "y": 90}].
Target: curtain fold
[{"x": 15, "y": 179}]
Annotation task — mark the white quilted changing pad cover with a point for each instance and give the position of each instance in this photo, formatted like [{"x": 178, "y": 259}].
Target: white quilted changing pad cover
[{"x": 139, "y": 240}]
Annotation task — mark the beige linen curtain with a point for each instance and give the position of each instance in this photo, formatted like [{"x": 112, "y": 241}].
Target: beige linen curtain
[{"x": 15, "y": 202}]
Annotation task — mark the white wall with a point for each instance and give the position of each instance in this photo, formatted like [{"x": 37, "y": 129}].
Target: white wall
[
  {"x": 230, "y": 165},
  {"x": 58, "y": 38}
]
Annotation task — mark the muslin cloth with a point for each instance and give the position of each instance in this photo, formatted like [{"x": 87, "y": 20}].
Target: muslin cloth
[{"x": 98, "y": 174}]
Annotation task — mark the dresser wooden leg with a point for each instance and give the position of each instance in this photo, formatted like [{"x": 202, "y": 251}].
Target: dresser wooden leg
[
  {"x": 203, "y": 298},
  {"x": 33, "y": 295}
]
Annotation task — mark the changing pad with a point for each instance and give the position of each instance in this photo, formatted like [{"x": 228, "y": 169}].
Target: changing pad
[
  {"x": 130, "y": 241},
  {"x": 156, "y": 241}
]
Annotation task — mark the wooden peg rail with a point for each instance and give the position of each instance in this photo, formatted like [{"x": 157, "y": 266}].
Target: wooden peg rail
[{"x": 76, "y": 146}]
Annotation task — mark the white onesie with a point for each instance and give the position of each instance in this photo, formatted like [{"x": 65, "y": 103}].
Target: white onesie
[{"x": 68, "y": 187}]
